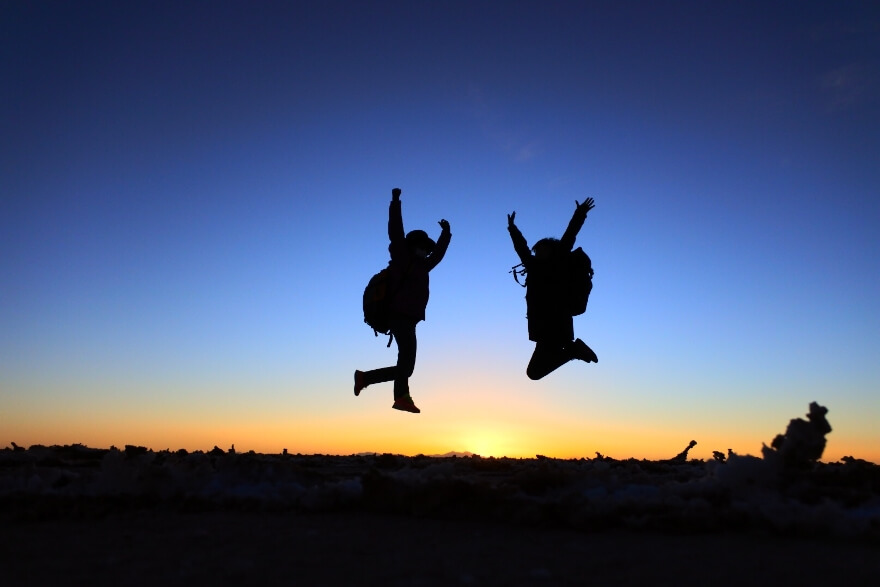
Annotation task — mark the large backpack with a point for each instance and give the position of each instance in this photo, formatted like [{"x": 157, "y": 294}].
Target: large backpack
[
  {"x": 578, "y": 279},
  {"x": 377, "y": 302}
]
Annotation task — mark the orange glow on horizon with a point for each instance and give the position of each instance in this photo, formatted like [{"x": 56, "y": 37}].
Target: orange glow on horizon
[
  {"x": 511, "y": 429},
  {"x": 496, "y": 439}
]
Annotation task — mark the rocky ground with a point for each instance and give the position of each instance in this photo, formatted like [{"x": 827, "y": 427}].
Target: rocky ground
[{"x": 78, "y": 515}]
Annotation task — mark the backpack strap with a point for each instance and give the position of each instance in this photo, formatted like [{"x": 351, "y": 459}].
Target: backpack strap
[{"x": 391, "y": 296}]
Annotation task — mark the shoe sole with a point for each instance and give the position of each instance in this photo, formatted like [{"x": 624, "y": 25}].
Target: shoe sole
[
  {"x": 412, "y": 410},
  {"x": 357, "y": 390}
]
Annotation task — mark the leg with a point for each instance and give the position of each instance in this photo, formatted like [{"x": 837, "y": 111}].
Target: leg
[
  {"x": 404, "y": 331},
  {"x": 377, "y": 375},
  {"x": 548, "y": 357},
  {"x": 405, "y": 335}
]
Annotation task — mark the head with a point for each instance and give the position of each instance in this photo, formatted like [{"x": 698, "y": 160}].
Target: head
[
  {"x": 545, "y": 248},
  {"x": 420, "y": 243}
]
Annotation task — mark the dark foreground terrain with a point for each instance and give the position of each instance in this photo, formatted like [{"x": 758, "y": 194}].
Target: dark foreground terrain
[
  {"x": 360, "y": 548},
  {"x": 74, "y": 515}
]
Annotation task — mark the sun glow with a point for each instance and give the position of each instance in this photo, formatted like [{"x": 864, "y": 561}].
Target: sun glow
[
  {"x": 484, "y": 445},
  {"x": 490, "y": 441}
]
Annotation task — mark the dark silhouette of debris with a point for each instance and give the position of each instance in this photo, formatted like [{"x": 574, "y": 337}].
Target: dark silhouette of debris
[
  {"x": 803, "y": 442},
  {"x": 683, "y": 455},
  {"x": 718, "y": 456},
  {"x": 131, "y": 450}
]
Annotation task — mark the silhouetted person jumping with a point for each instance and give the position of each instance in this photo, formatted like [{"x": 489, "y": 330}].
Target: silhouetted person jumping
[
  {"x": 412, "y": 257},
  {"x": 551, "y": 326}
]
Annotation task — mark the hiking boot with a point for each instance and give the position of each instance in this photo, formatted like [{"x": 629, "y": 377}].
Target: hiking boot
[
  {"x": 405, "y": 404},
  {"x": 580, "y": 350},
  {"x": 358, "y": 382}
]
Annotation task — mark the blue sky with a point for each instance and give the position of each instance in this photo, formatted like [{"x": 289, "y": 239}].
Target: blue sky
[{"x": 194, "y": 194}]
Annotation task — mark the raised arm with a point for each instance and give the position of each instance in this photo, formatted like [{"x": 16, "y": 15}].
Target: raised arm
[
  {"x": 576, "y": 222},
  {"x": 442, "y": 244},
  {"x": 519, "y": 241},
  {"x": 395, "y": 219}
]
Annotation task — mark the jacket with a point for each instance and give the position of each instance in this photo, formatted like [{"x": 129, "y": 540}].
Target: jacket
[
  {"x": 546, "y": 299},
  {"x": 409, "y": 273}
]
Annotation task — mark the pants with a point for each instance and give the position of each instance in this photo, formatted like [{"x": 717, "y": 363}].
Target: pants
[
  {"x": 404, "y": 331},
  {"x": 548, "y": 357}
]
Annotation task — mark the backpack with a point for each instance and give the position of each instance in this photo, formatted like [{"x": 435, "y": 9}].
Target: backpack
[
  {"x": 377, "y": 302},
  {"x": 578, "y": 280}
]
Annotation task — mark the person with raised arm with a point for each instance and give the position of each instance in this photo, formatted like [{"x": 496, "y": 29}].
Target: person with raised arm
[
  {"x": 413, "y": 256},
  {"x": 549, "y": 277}
]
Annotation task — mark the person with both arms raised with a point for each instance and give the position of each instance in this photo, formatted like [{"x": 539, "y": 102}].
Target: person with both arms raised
[{"x": 551, "y": 326}]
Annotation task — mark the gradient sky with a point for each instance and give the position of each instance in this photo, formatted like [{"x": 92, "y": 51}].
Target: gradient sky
[{"x": 194, "y": 194}]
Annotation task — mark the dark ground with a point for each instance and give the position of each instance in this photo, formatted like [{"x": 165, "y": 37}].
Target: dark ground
[
  {"x": 338, "y": 548},
  {"x": 74, "y": 515}
]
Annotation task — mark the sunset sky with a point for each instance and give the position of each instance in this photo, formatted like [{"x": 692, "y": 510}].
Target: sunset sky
[{"x": 193, "y": 196}]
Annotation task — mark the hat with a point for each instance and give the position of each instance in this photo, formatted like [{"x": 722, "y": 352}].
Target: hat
[{"x": 419, "y": 239}]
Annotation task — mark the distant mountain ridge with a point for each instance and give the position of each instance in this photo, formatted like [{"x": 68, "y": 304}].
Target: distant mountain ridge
[{"x": 443, "y": 456}]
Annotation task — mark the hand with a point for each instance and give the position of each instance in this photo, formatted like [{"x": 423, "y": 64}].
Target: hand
[
  {"x": 586, "y": 206},
  {"x": 395, "y": 194},
  {"x": 510, "y": 219},
  {"x": 444, "y": 224}
]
